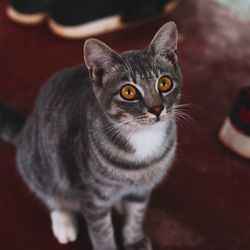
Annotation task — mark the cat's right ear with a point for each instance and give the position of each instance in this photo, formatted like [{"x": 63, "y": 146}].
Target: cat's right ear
[
  {"x": 165, "y": 40},
  {"x": 98, "y": 58}
]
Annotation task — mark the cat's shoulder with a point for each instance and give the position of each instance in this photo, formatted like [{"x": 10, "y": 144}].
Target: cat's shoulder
[
  {"x": 78, "y": 72},
  {"x": 64, "y": 86},
  {"x": 67, "y": 80}
]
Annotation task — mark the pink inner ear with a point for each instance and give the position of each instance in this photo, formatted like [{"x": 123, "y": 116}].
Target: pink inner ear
[
  {"x": 98, "y": 54},
  {"x": 96, "y": 74},
  {"x": 165, "y": 39}
]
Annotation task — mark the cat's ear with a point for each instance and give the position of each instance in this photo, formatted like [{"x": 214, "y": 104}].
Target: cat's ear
[
  {"x": 99, "y": 57},
  {"x": 165, "y": 39}
]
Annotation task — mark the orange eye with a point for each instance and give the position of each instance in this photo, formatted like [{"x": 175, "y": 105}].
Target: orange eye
[
  {"x": 165, "y": 84},
  {"x": 129, "y": 92}
]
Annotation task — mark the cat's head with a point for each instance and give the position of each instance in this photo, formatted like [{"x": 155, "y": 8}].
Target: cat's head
[{"x": 136, "y": 87}]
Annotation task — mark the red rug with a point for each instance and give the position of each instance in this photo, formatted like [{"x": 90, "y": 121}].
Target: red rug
[{"x": 204, "y": 202}]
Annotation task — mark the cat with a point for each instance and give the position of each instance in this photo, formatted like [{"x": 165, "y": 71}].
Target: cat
[{"x": 100, "y": 134}]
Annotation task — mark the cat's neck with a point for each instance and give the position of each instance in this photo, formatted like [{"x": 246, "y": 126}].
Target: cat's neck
[{"x": 147, "y": 142}]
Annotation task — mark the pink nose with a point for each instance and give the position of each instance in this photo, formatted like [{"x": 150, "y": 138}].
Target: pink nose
[{"x": 156, "y": 110}]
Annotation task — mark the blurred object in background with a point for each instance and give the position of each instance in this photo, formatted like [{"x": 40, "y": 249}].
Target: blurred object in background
[
  {"x": 235, "y": 132},
  {"x": 82, "y": 18},
  {"x": 134, "y": 10},
  {"x": 28, "y": 12},
  {"x": 240, "y": 8}
]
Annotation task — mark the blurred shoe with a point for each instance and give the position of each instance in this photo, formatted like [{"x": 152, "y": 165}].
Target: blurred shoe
[
  {"x": 28, "y": 12},
  {"x": 235, "y": 132},
  {"x": 81, "y": 18},
  {"x": 136, "y": 10}
]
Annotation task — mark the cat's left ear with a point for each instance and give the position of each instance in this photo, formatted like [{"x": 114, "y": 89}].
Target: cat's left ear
[
  {"x": 165, "y": 39},
  {"x": 99, "y": 58}
]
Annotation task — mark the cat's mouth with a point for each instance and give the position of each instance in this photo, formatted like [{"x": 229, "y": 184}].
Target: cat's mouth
[
  {"x": 150, "y": 120},
  {"x": 155, "y": 119}
]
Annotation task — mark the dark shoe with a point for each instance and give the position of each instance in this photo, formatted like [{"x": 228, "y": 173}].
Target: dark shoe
[
  {"x": 235, "y": 132},
  {"x": 28, "y": 12},
  {"x": 79, "y": 18},
  {"x": 135, "y": 10},
  {"x": 82, "y": 18}
]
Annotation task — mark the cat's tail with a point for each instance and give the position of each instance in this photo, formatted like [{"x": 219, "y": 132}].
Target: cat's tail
[{"x": 11, "y": 123}]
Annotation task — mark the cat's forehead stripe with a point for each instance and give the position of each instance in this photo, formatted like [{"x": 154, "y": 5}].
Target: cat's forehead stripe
[{"x": 140, "y": 64}]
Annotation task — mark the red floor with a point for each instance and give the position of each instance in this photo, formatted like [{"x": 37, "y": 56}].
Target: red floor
[{"x": 204, "y": 202}]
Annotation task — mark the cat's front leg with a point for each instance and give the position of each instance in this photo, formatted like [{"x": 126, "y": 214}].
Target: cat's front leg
[
  {"x": 100, "y": 228},
  {"x": 134, "y": 237}
]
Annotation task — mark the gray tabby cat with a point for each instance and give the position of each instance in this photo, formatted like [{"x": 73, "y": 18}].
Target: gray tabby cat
[{"x": 99, "y": 135}]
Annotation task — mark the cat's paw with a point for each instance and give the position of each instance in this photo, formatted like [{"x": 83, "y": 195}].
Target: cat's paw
[
  {"x": 64, "y": 226},
  {"x": 144, "y": 244}
]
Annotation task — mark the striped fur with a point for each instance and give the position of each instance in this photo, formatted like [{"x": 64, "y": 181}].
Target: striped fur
[{"x": 84, "y": 148}]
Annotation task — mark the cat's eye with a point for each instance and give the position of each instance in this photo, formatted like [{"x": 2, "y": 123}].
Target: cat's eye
[
  {"x": 165, "y": 84},
  {"x": 129, "y": 92}
]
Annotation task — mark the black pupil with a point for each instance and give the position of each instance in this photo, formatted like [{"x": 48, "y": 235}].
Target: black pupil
[{"x": 129, "y": 91}]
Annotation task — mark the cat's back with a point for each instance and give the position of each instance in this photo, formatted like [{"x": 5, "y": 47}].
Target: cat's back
[
  {"x": 64, "y": 85},
  {"x": 48, "y": 139},
  {"x": 59, "y": 104}
]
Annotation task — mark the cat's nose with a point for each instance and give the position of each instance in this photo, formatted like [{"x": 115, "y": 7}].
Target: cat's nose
[{"x": 156, "y": 110}]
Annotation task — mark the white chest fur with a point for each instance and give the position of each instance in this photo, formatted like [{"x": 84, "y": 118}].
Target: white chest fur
[{"x": 148, "y": 142}]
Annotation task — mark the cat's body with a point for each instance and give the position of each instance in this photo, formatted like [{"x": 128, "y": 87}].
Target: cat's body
[
  {"x": 74, "y": 155},
  {"x": 70, "y": 161}
]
